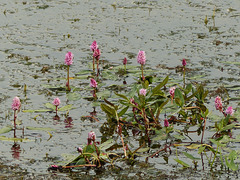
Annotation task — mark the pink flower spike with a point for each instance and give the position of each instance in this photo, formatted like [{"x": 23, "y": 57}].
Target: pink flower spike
[
  {"x": 93, "y": 83},
  {"x": 97, "y": 54},
  {"x": 94, "y": 46},
  {"x": 218, "y": 103},
  {"x": 230, "y": 110},
  {"x": 184, "y": 63},
  {"x": 172, "y": 91},
  {"x": 92, "y": 136},
  {"x": 69, "y": 58},
  {"x": 124, "y": 61},
  {"x": 143, "y": 92},
  {"x": 166, "y": 123},
  {"x": 79, "y": 149},
  {"x": 141, "y": 58},
  {"x": 56, "y": 102},
  {"x": 16, "y": 104}
]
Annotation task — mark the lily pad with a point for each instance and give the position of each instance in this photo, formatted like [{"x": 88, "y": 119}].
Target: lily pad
[{"x": 4, "y": 138}]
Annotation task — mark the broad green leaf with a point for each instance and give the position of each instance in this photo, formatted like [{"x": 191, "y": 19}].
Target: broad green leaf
[
  {"x": 179, "y": 99},
  {"x": 107, "y": 109},
  {"x": 194, "y": 146},
  {"x": 190, "y": 156},
  {"x": 141, "y": 150},
  {"x": 73, "y": 96},
  {"x": 51, "y": 106},
  {"x": 40, "y": 128},
  {"x": 4, "y": 138},
  {"x": 103, "y": 94},
  {"x": 158, "y": 87},
  {"x": 182, "y": 163},
  {"x": 230, "y": 126},
  {"x": 217, "y": 143},
  {"x": 36, "y": 110},
  {"x": 160, "y": 137},
  {"x": 122, "y": 96},
  {"x": 123, "y": 111},
  {"x": 107, "y": 144},
  {"x": 201, "y": 149},
  {"x": 81, "y": 161},
  {"x": 66, "y": 108},
  {"x": 178, "y": 136},
  {"x": 5, "y": 129}
]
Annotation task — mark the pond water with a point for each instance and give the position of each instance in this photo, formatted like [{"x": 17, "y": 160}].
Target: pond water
[{"x": 36, "y": 35}]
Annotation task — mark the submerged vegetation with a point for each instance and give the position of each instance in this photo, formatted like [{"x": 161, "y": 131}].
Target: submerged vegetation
[{"x": 158, "y": 115}]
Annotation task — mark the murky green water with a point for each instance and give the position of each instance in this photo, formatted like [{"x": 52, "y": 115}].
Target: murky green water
[{"x": 35, "y": 36}]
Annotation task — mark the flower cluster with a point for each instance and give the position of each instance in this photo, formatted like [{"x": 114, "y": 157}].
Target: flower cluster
[
  {"x": 141, "y": 58},
  {"x": 16, "y": 104},
  {"x": 143, "y": 92},
  {"x": 69, "y": 58},
  {"x": 93, "y": 83}
]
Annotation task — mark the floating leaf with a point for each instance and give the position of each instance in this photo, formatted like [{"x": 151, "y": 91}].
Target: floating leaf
[
  {"x": 190, "y": 156},
  {"x": 36, "y": 110},
  {"x": 141, "y": 150},
  {"x": 4, "y": 138},
  {"x": 182, "y": 163},
  {"x": 40, "y": 128},
  {"x": 50, "y": 106},
  {"x": 5, "y": 129},
  {"x": 107, "y": 144},
  {"x": 107, "y": 109},
  {"x": 73, "y": 96},
  {"x": 66, "y": 108}
]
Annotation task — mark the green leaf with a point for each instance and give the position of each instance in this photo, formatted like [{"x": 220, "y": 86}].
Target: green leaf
[
  {"x": 123, "y": 111},
  {"x": 122, "y": 96},
  {"x": 230, "y": 126},
  {"x": 4, "y": 138},
  {"x": 217, "y": 143},
  {"x": 107, "y": 144},
  {"x": 108, "y": 109},
  {"x": 179, "y": 99},
  {"x": 36, "y": 110},
  {"x": 158, "y": 87},
  {"x": 40, "y": 128},
  {"x": 50, "y": 106},
  {"x": 201, "y": 149},
  {"x": 66, "y": 108},
  {"x": 5, "y": 129},
  {"x": 190, "y": 156},
  {"x": 182, "y": 163},
  {"x": 141, "y": 150},
  {"x": 73, "y": 96}
]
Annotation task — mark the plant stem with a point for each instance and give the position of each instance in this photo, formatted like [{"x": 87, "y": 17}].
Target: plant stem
[
  {"x": 203, "y": 130},
  {"x": 68, "y": 78},
  {"x": 56, "y": 110},
  {"x": 184, "y": 76},
  {"x": 97, "y": 67},
  {"x": 143, "y": 78},
  {"x": 93, "y": 64}
]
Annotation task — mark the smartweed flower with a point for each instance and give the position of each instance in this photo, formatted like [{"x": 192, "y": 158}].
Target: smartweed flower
[
  {"x": 166, "y": 123},
  {"x": 184, "y": 63},
  {"x": 56, "y": 102},
  {"x": 94, "y": 47},
  {"x": 68, "y": 61},
  {"x": 69, "y": 58},
  {"x": 143, "y": 92},
  {"x": 141, "y": 59},
  {"x": 172, "y": 91},
  {"x": 218, "y": 103},
  {"x": 16, "y": 104},
  {"x": 93, "y": 83},
  {"x": 230, "y": 110}
]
